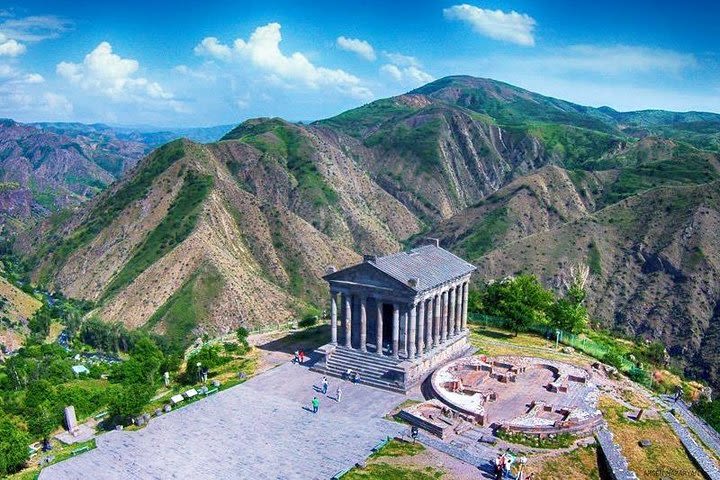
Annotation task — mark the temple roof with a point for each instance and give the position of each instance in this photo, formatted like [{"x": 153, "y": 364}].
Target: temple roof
[{"x": 430, "y": 265}]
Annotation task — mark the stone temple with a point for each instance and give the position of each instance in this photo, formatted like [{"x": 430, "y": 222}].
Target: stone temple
[{"x": 394, "y": 319}]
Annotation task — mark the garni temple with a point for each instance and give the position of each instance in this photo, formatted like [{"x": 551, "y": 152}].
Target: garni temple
[{"x": 394, "y": 319}]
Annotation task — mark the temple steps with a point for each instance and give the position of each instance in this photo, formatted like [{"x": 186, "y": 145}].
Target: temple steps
[{"x": 373, "y": 368}]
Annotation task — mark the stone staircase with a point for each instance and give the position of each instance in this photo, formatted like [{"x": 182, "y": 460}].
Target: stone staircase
[{"x": 375, "y": 370}]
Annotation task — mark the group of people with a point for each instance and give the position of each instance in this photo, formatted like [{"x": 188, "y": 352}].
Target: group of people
[
  {"x": 324, "y": 389},
  {"x": 503, "y": 467},
  {"x": 299, "y": 356}
]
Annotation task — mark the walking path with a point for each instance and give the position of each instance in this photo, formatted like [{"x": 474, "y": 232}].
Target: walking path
[
  {"x": 705, "y": 432},
  {"x": 261, "y": 429},
  {"x": 696, "y": 451}
]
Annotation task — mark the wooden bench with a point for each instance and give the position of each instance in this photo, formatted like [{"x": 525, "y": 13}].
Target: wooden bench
[{"x": 80, "y": 450}]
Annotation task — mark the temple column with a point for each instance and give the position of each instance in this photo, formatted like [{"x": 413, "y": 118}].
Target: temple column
[
  {"x": 458, "y": 309},
  {"x": 363, "y": 323},
  {"x": 451, "y": 313},
  {"x": 396, "y": 331},
  {"x": 379, "y": 343},
  {"x": 428, "y": 324},
  {"x": 443, "y": 316},
  {"x": 348, "y": 321},
  {"x": 333, "y": 317},
  {"x": 436, "y": 320},
  {"x": 411, "y": 332},
  {"x": 466, "y": 288},
  {"x": 421, "y": 328},
  {"x": 404, "y": 332}
]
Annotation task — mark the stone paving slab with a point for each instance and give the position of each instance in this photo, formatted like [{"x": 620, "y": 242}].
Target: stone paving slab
[
  {"x": 696, "y": 451},
  {"x": 705, "y": 432},
  {"x": 260, "y": 430}
]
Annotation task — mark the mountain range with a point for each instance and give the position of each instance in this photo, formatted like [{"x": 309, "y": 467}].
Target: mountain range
[
  {"x": 204, "y": 237},
  {"x": 48, "y": 167}
]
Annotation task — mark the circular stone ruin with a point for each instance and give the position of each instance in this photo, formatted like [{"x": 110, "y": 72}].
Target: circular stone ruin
[{"x": 520, "y": 394}]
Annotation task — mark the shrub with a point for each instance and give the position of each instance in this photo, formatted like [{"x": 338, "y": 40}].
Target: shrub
[{"x": 308, "y": 321}]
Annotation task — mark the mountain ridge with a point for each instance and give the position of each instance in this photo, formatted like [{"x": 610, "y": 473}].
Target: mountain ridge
[{"x": 497, "y": 172}]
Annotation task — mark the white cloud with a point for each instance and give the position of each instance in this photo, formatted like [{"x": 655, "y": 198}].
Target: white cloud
[
  {"x": 10, "y": 47},
  {"x": 262, "y": 51},
  {"x": 511, "y": 27},
  {"x": 34, "y": 28},
  {"x": 108, "y": 74},
  {"x": 405, "y": 69},
  {"x": 361, "y": 47},
  {"x": 408, "y": 75},
  {"x": 402, "y": 60},
  {"x": 614, "y": 59},
  {"x": 198, "y": 74},
  {"x": 393, "y": 71},
  {"x": 211, "y": 47},
  {"x": 58, "y": 104},
  {"x": 10, "y": 75}
]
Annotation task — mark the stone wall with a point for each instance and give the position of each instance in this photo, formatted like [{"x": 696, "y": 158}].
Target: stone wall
[{"x": 614, "y": 460}]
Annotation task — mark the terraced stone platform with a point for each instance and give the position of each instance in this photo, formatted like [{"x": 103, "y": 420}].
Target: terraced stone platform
[{"x": 260, "y": 429}]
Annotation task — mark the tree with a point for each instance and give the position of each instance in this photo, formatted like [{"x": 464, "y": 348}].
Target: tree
[
  {"x": 130, "y": 401},
  {"x": 475, "y": 301},
  {"x": 44, "y": 419},
  {"x": 521, "y": 300},
  {"x": 13, "y": 446},
  {"x": 568, "y": 313}
]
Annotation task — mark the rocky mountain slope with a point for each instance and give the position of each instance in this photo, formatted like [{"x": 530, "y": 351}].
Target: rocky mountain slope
[
  {"x": 46, "y": 167},
  {"x": 202, "y": 238}
]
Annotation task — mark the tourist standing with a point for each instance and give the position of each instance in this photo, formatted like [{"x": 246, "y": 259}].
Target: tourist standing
[
  {"x": 324, "y": 385},
  {"x": 296, "y": 357},
  {"x": 499, "y": 466},
  {"x": 509, "y": 460},
  {"x": 338, "y": 394},
  {"x": 302, "y": 356},
  {"x": 315, "y": 404}
]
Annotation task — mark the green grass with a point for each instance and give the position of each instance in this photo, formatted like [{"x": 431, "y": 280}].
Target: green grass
[
  {"x": 187, "y": 307},
  {"x": 283, "y": 141},
  {"x": 594, "y": 259},
  {"x": 110, "y": 207},
  {"x": 576, "y": 146},
  {"x": 419, "y": 143},
  {"x": 492, "y": 226},
  {"x": 178, "y": 223},
  {"x": 354, "y": 122},
  {"x": 686, "y": 167},
  {"x": 561, "y": 440},
  {"x": 396, "y": 448},
  {"x": 386, "y": 471},
  {"x": 377, "y": 469},
  {"x": 300, "y": 164}
]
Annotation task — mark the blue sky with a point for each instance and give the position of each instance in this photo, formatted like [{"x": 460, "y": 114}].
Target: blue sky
[{"x": 204, "y": 63}]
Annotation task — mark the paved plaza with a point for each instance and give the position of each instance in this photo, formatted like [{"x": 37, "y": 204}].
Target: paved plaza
[{"x": 260, "y": 429}]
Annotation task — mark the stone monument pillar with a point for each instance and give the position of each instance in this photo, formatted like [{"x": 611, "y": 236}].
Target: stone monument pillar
[{"x": 71, "y": 420}]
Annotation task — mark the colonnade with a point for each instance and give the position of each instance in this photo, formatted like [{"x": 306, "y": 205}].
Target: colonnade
[{"x": 425, "y": 323}]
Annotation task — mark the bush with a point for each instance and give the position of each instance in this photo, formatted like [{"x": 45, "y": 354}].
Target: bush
[
  {"x": 614, "y": 359},
  {"x": 13, "y": 446},
  {"x": 639, "y": 375},
  {"x": 308, "y": 321}
]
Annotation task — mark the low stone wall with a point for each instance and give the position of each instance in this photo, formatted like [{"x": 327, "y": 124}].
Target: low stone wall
[
  {"x": 610, "y": 451},
  {"x": 417, "y": 370},
  {"x": 696, "y": 452}
]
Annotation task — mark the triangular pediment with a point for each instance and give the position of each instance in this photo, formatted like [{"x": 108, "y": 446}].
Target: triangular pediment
[{"x": 367, "y": 274}]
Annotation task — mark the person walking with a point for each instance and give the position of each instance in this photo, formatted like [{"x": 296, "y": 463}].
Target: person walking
[
  {"x": 296, "y": 357},
  {"x": 302, "y": 356},
  {"x": 324, "y": 385},
  {"x": 315, "y": 404},
  {"x": 338, "y": 394}
]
